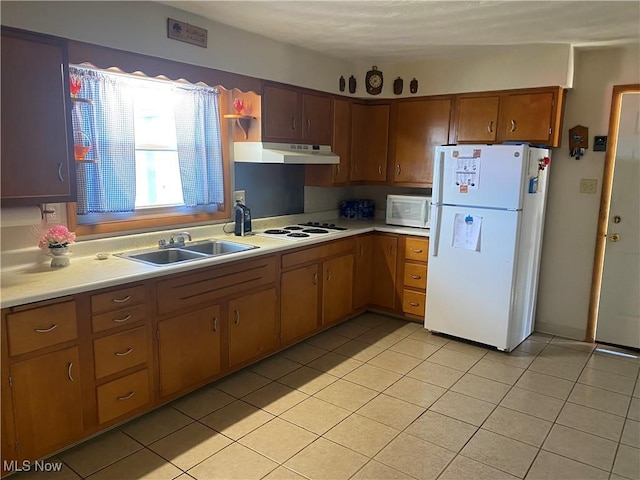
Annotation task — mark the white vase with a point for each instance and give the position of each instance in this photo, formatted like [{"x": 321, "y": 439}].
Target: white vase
[{"x": 60, "y": 257}]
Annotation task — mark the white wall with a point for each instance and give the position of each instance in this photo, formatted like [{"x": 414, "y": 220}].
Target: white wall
[{"x": 572, "y": 217}]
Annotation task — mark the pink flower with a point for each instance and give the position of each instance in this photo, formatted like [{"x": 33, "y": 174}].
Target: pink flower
[
  {"x": 56, "y": 237},
  {"x": 238, "y": 105}
]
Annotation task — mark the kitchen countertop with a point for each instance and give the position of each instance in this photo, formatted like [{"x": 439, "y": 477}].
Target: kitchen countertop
[{"x": 34, "y": 281}]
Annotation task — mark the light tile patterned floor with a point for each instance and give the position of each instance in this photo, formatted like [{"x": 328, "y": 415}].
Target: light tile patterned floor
[{"x": 381, "y": 398}]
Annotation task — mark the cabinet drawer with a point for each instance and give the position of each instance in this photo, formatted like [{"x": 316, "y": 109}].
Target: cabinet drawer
[
  {"x": 37, "y": 328},
  {"x": 123, "y": 395},
  {"x": 117, "y": 318},
  {"x": 415, "y": 275},
  {"x": 413, "y": 302},
  {"x": 120, "y": 351},
  {"x": 211, "y": 284},
  {"x": 416, "y": 249},
  {"x": 117, "y": 299},
  {"x": 312, "y": 254}
]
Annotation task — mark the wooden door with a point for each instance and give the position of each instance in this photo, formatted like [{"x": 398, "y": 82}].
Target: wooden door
[
  {"x": 337, "y": 288},
  {"x": 281, "y": 114},
  {"x": 47, "y": 399},
  {"x": 341, "y": 140},
  {"x": 419, "y": 128},
  {"x": 299, "y": 303},
  {"x": 253, "y": 326},
  {"x": 477, "y": 119},
  {"x": 36, "y": 119},
  {"x": 189, "y": 349},
  {"x": 369, "y": 147},
  {"x": 316, "y": 119},
  {"x": 363, "y": 275},
  {"x": 528, "y": 117},
  {"x": 385, "y": 261}
]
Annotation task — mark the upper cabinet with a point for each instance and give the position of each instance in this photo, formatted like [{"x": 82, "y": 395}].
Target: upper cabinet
[
  {"x": 335, "y": 175},
  {"x": 369, "y": 142},
  {"x": 417, "y": 127},
  {"x": 291, "y": 115},
  {"x": 530, "y": 115},
  {"x": 37, "y": 159}
]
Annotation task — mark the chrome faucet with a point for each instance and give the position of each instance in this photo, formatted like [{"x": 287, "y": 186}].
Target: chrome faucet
[{"x": 180, "y": 238}]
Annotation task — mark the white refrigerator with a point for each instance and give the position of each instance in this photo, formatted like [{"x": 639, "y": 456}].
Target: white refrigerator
[{"x": 487, "y": 221}]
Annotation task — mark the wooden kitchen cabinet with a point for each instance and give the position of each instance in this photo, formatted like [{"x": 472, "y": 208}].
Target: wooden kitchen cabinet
[
  {"x": 369, "y": 142},
  {"x": 253, "y": 326},
  {"x": 337, "y": 288},
  {"x": 417, "y": 128},
  {"x": 299, "y": 301},
  {"x": 414, "y": 276},
  {"x": 291, "y": 115},
  {"x": 363, "y": 271},
  {"x": 533, "y": 117},
  {"x": 477, "y": 119},
  {"x": 335, "y": 175},
  {"x": 37, "y": 160},
  {"x": 47, "y": 399},
  {"x": 385, "y": 262},
  {"x": 189, "y": 349}
]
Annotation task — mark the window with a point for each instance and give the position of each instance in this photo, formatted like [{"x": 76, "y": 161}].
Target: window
[{"x": 155, "y": 152}]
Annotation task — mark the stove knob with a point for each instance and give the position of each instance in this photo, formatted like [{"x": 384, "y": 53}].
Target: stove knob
[
  {"x": 325, "y": 224},
  {"x": 332, "y": 224}
]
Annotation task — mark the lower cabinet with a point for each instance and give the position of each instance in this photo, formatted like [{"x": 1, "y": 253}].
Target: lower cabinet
[
  {"x": 189, "y": 349},
  {"x": 123, "y": 395},
  {"x": 253, "y": 326},
  {"x": 363, "y": 271},
  {"x": 414, "y": 277},
  {"x": 385, "y": 262},
  {"x": 47, "y": 399},
  {"x": 299, "y": 302},
  {"x": 337, "y": 288}
]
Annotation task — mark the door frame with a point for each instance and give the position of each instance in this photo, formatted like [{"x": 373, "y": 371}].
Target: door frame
[{"x": 605, "y": 205}]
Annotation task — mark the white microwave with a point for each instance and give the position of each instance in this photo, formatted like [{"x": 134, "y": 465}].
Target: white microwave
[{"x": 409, "y": 210}]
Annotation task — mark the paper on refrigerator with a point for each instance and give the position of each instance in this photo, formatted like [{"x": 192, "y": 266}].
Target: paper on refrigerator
[{"x": 466, "y": 231}]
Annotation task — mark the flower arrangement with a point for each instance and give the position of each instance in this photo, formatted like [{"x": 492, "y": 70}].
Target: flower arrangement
[
  {"x": 57, "y": 237},
  {"x": 239, "y": 105}
]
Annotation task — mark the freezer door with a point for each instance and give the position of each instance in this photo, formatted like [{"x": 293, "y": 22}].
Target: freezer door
[
  {"x": 493, "y": 176},
  {"x": 470, "y": 292}
]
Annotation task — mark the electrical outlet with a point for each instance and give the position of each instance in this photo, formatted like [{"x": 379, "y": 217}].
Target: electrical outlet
[
  {"x": 588, "y": 185},
  {"x": 239, "y": 195},
  {"x": 50, "y": 212}
]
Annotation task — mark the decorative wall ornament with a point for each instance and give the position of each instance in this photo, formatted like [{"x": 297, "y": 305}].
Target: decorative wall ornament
[
  {"x": 578, "y": 141},
  {"x": 341, "y": 83},
  {"x": 184, "y": 32},
  {"x": 352, "y": 84},
  {"x": 413, "y": 86},
  {"x": 397, "y": 86}
]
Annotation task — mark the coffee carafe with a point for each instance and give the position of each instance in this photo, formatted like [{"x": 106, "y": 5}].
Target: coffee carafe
[{"x": 243, "y": 220}]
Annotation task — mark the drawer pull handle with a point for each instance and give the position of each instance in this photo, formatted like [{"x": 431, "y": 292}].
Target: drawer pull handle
[
  {"x": 328, "y": 274},
  {"x": 60, "y": 177},
  {"x": 69, "y": 371},
  {"x": 398, "y": 169},
  {"x": 415, "y": 277},
  {"x": 490, "y": 126},
  {"x": 215, "y": 324},
  {"x": 379, "y": 169},
  {"x": 121, "y": 300},
  {"x": 127, "y": 397},
  {"x": 46, "y": 330},
  {"x": 293, "y": 123},
  {"x": 413, "y": 304},
  {"x": 513, "y": 125},
  {"x": 237, "y": 314},
  {"x": 120, "y": 320},
  {"x": 315, "y": 278},
  {"x": 416, "y": 250},
  {"x": 122, "y": 354},
  {"x": 308, "y": 125}
]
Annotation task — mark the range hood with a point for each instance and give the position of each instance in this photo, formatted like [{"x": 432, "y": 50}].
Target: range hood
[{"x": 265, "y": 152}]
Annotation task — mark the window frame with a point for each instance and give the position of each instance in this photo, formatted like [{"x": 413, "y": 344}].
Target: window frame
[{"x": 155, "y": 218}]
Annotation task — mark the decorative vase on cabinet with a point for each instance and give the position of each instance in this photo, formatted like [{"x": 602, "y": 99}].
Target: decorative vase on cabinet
[{"x": 60, "y": 257}]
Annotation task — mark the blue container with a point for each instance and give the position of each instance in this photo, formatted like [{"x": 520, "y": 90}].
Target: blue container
[{"x": 357, "y": 209}]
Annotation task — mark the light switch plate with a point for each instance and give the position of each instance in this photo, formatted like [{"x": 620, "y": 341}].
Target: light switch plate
[
  {"x": 238, "y": 195},
  {"x": 588, "y": 185}
]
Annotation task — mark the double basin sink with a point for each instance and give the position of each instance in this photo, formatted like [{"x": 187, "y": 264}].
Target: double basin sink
[{"x": 200, "y": 250}]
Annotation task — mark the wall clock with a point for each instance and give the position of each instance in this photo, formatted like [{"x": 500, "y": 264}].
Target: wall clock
[{"x": 373, "y": 81}]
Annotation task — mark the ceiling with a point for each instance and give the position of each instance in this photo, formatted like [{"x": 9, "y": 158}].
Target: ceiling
[{"x": 392, "y": 31}]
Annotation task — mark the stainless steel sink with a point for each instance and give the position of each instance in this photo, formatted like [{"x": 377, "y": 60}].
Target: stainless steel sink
[
  {"x": 216, "y": 247},
  {"x": 187, "y": 253}
]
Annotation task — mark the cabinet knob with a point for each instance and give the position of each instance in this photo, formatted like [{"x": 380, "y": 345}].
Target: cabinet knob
[
  {"x": 127, "y": 397},
  {"x": 413, "y": 304},
  {"x": 121, "y": 300},
  {"x": 490, "y": 126},
  {"x": 415, "y": 277},
  {"x": 69, "y": 371},
  {"x": 416, "y": 250},
  {"x": 215, "y": 324},
  {"x": 513, "y": 125},
  {"x": 121, "y": 320},
  {"x": 398, "y": 169},
  {"x": 60, "y": 177},
  {"x": 46, "y": 330},
  {"x": 293, "y": 123},
  {"x": 308, "y": 125},
  {"x": 237, "y": 314},
  {"x": 379, "y": 169},
  {"x": 315, "y": 278},
  {"x": 125, "y": 353}
]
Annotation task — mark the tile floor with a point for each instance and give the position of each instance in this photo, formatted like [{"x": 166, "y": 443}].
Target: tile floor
[{"x": 380, "y": 398}]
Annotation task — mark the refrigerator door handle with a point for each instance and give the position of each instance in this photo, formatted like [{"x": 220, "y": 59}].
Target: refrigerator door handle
[
  {"x": 438, "y": 177},
  {"x": 436, "y": 229}
]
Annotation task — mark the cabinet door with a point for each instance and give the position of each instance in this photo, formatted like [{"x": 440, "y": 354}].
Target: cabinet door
[
  {"x": 363, "y": 280},
  {"x": 419, "y": 128},
  {"x": 36, "y": 142},
  {"x": 341, "y": 144},
  {"x": 48, "y": 402},
  {"x": 528, "y": 116},
  {"x": 189, "y": 349},
  {"x": 281, "y": 114},
  {"x": 385, "y": 261},
  {"x": 316, "y": 119},
  {"x": 253, "y": 326},
  {"x": 477, "y": 119},
  {"x": 337, "y": 288},
  {"x": 370, "y": 136},
  {"x": 299, "y": 303}
]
